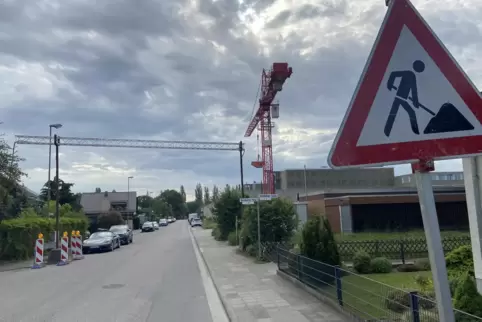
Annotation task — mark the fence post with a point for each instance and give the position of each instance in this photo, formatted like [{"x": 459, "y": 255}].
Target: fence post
[
  {"x": 299, "y": 268},
  {"x": 402, "y": 251},
  {"x": 414, "y": 306},
  {"x": 339, "y": 292}
]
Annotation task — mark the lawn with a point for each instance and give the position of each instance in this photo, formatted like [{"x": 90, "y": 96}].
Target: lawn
[
  {"x": 395, "y": 235},
  {"x": 365, "y": 295}
]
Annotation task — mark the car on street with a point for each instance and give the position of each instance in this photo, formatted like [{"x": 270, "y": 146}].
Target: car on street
[
  {"x": 125, "y": 233},
  {"x": 196, "y": 222},
  {"x": 147, "y": 226},
  {"x": 156, "y": 225},
  {"x": 163, "y": 222},
  {"x": 101, "y": 241},
  {"x": 170, "y": 220}
]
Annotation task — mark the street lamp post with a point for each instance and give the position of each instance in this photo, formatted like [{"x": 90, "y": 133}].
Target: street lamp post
[
  {"x": 129, "y": 197},
  {"x": 49, "y": 195}
]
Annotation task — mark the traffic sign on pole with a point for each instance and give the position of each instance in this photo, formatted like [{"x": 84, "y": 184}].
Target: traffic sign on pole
[
  {"x": 413, "y": 101},
  {"x": 413, "y": 104},
  {"x": 248, "y": 201}
]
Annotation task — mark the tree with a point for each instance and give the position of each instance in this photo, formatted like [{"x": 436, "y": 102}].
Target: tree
[
  {"x": 215, "y": 194},
  {"x": 198, "y": 194},
  {"x": 161, "y": 207},
  {"x": 192, "y": 207},
  {"x": 318, "y": 241},
  {"x": 175, "y": 199},
  {"x": 225, "y": 211},
  {"x": 278, "y": 220},
  {"x": 11, "y": 193},
  {"x": 182, "y": 191},
  {"x": 110, "y": 219},
  {"x": 144, "y": 201},
  {"x": 207, "y": 198},
  {"x": 98, "y": 190},
  {"x": 64, "y": 190}
]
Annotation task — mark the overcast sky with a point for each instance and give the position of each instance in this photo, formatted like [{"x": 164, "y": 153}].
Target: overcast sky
[{"x": 189, "y": 70}]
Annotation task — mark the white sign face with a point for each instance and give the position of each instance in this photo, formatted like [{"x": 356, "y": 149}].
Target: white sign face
[
  {"x": 267, "y": 196},
  {"x": 415, "y": 101},
  {"x": 248, "y": 201}
]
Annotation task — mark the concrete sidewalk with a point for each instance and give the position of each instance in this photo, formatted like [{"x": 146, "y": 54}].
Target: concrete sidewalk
[{"x": 252, "y": 292}]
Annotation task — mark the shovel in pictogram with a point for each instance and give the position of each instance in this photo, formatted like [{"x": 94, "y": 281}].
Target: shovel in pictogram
[{"x": 447, "y": 119}]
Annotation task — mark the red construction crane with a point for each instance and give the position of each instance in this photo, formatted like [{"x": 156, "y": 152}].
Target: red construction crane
[{"x": 271, "y": 83}]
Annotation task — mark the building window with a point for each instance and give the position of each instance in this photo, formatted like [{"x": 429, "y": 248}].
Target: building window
[
  {"x": 459, "y": 176},
  {"x": 450, "y": 177}
]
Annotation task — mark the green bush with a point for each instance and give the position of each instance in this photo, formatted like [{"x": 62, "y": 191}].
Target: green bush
[
  {"x": 252, "y": 250},
  {"x": 318, "y": 241},
  {"x": 17, "y": 236},
  {"x": 232, "y": 238},
  {"x": 362, "y": 262},
  {"x": 217, "y": 234},
  {"x": 467, "y": 299},
  {"x": 381, "y": 265},
  {"x": 225, "y": 210},
  {"x": 460, "y": 261},
  {"x": 277, "y": 220},
  {"x": 110, "y": 219}
]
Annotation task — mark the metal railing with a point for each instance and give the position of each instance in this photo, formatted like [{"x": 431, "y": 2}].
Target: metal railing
[{"x": 363, "y": 297}]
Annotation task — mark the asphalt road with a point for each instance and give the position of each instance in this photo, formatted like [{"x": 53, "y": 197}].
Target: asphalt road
[{"x": 156, "y": 278}]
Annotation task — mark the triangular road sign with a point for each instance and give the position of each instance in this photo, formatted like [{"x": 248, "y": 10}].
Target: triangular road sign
[{"x": 413, "y": 102}]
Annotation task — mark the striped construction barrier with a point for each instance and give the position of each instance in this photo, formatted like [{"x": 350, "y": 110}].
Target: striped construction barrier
[
  {"x": 38, "y": 261},
  {"x": 64, "y": 250},
  {"x": 77, "y": 253}
]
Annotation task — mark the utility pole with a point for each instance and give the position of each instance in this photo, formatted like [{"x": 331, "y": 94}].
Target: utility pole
[
  {"x": 57, "y": 197},
  {"x": 49, "y": 189}
]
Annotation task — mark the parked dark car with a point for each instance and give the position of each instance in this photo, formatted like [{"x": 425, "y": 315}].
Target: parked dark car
[
  {"x": 147, "y": 226},
  {"x": 125, "y": 233},
  {"x": 101, "y": 241}
]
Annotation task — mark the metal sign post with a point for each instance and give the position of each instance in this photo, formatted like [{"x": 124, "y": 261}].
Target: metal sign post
[{"x": 436, "y": 255}]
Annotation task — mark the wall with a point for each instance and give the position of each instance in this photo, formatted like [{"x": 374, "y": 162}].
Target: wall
[{"x": 438, "y": 179}]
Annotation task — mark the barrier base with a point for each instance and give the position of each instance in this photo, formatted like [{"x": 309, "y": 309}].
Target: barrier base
[
  {"x": 54, "y": 256},
  {"x": 77, "y": 257},
  {"x": 62, "y": 263},
  {"x": 37, "y": 266}
]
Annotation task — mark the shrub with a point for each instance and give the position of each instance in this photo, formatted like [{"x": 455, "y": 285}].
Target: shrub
[
  {"x": 217, "y": 234},
  {"x": 467, "y": 299},
  {"x": 408, "y": 268},
  {"x": 318, "y": 242},
  {"x": 361, "y": 262},
  {"x": 277, "y": 220},
  {"x": 225, "y": 210},
  {"x": 423, "y": 264},
  {"x": 381, "y": 265},
  {"x": 251, "y": 250},
  {"x": 17, "y": 236},
  {"x": 460, "y": 261},
  {"x": 110, "y": 219},
  {"x": 232, "y": 238}
]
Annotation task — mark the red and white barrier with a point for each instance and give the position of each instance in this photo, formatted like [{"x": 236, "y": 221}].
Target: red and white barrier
[
  {"x": 73, "y": 244},
  {"x": 77, "y": 252},
  {"x": 38, "y": 260},
  {"x": 64, "y": 251}
]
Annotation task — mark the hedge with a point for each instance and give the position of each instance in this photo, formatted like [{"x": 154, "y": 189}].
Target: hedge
[{"x": 17, "y": 236}]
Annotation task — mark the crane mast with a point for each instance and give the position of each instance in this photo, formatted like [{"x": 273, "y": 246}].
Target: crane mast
[{"x": 271, "y": 83}]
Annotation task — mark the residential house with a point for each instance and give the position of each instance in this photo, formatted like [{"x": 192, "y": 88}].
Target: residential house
[{"x": 97, "y": 203}]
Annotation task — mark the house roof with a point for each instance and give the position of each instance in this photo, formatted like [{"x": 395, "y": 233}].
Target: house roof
[{"x": 92, "y": 201}]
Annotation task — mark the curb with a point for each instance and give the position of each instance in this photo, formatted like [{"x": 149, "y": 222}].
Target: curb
[{"x": 227, "y": 309}]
